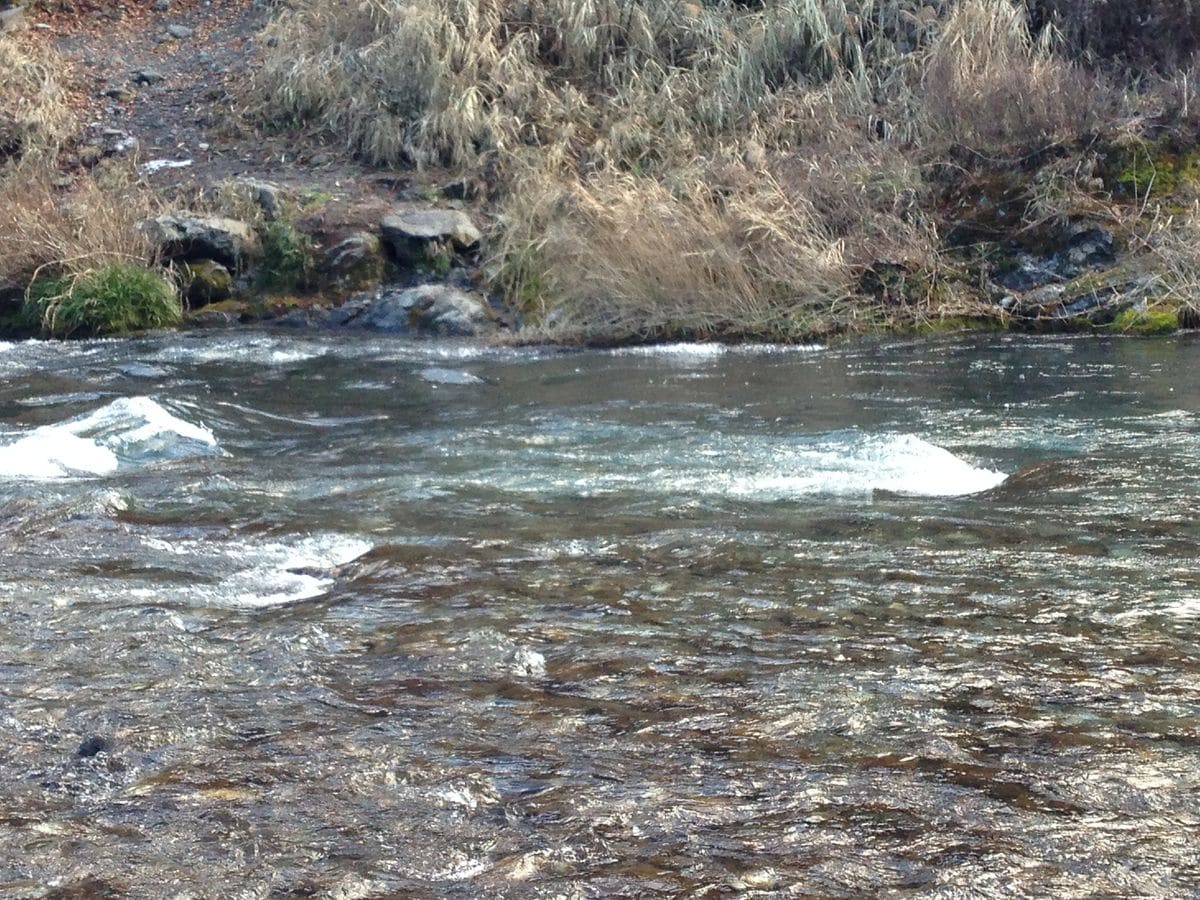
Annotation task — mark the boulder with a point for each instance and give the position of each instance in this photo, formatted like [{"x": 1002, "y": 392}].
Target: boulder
[
  {"x": 184, "y": 236},
  {"x": 432, "y": 309},
  {"x": 415, "y": 236},
  {"x": 266, "y": 196},
  {"x": 355, "y": 262},
  {"x": 11, "y": 17},
  {"x": 205, "y": 281}
]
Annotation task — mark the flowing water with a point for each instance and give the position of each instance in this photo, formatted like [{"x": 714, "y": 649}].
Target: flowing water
[{"x": 318, "y": 616}]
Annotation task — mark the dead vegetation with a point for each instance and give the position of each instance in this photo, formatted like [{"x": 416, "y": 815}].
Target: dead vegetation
[{"x": 35, "y": 117}]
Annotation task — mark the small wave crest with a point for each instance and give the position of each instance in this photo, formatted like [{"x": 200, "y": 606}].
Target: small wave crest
[
  {"x": 131, "y": 430},
  {"x": 895, "y": 463}
]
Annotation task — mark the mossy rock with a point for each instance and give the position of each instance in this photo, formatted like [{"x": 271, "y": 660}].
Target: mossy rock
[
  {"x": 205, "y": 281},
  {"x": 1148, "y": 320},
  {"x": 355, "y": 263},
  {"x": 288, "y": 261}
]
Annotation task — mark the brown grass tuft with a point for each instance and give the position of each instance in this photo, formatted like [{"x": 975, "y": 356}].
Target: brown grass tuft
[
  {"x": 47, "y": 231},
  {"x": 34, "y": 115}
]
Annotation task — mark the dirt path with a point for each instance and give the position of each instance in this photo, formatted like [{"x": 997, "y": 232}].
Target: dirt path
[{"x": 174, "y": 80}]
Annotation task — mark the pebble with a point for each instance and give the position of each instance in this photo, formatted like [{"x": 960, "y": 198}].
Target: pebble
[
  {"x": 147, "y": 76},
  {"x": 179, "y": 32}
]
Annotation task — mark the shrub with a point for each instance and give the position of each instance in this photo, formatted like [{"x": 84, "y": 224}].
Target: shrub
[
  {"x": 1162, "y": 33},
  {"x": 116, "y": 299},
  {"x": 288, "y": 258}
]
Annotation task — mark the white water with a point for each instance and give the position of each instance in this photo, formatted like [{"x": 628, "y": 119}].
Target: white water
[{"x": 130, "y": 430}]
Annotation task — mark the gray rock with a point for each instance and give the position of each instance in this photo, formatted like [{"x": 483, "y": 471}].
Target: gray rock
[
  {"x": 179, "y": 32},
  {"x": 267, "y": 196},
  {"x": 11, "y": 17},
  {"x": 146, "y": 76},
  {"x": 194, "y": 237},
  {"x": 413, "y": 234},
  {"x": 161, "y": 5},
  {"x": 356, "y": 262},
  {"x": 432, "y": 309}
]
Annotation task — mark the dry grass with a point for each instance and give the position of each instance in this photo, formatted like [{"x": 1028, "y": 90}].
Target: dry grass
[
  {"x": 34, "y": 115},
  {"x": 620, "y": 259},
  {"x": 664, "y": 167},
  {"x": 1174, "y": 242},
  {"x": 989, "y": 83},
  {"x": 46, "y": 231}
]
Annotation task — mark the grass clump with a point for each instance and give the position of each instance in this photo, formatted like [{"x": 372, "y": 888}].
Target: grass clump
[
  {"x": 288, "y": 259},
  {"x": 118, "y": 298},
  {"x": 35, "y": 117}
]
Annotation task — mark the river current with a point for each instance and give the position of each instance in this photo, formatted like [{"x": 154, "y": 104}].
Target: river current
[{"x": 303, "y": 615}]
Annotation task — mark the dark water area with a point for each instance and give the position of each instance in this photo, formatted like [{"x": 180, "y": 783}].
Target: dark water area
[{"x": 316, "y": 616}]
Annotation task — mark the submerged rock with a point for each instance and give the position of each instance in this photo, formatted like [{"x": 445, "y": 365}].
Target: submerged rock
[
  {"x": 430, "y": 310},
  {"x": 183, "y": 236}
]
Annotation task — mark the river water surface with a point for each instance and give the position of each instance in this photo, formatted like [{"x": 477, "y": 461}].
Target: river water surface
[{"x": 318, "y": 616}]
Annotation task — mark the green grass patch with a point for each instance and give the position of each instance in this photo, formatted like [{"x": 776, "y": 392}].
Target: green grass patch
[
  {"x": 117, "y": 299},
  {"x": 288, "y": 262}
]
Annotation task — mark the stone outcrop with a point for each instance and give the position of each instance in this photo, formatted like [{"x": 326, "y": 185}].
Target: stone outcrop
[
  {"x": 188, "y": 237},
  {"x": 416, "y": 236},
  {"x": 354, "y": 263}
]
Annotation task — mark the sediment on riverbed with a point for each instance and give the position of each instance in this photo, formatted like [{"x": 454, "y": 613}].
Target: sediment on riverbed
[{"x": 601, "y": 173}]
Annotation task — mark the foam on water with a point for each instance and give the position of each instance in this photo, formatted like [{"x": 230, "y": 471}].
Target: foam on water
[
  {"x": 128, "y": 430},
  {"x": 747, "y": 467},
  {"x": 257, "y": 574},
  {"x": 438, "y": 375},
  {"x": 698, "y": 351},
  {"x": 900, "y": 463},
  {"x": 256, "y": 349}
]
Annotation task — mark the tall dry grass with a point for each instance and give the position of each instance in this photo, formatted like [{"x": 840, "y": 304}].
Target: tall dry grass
[
  {"x": 34, "y": 115},
  {"x": 661, "y": 167},
  {"x": 46, "y": 231},
  {"x": 988, "y": 82}
]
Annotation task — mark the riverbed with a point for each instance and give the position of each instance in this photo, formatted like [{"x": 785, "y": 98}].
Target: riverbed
[{"x": 307, "y": 615}]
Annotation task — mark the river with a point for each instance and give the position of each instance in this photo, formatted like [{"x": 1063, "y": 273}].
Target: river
[{"x": 308, "y": 615}]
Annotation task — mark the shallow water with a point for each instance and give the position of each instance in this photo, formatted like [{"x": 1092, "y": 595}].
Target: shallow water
[{"x": 357, "y": 618}]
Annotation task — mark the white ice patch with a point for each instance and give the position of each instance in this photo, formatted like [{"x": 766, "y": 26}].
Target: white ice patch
[
  {"x": 128, "y": 430},
  {"x": 699, "y": 351},
  {"x": 157, "y": 165}
]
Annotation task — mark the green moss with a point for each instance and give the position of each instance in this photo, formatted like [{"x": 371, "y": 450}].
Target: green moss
[
  {"x": 313, "y": 198},
  {"x": 1157, "y": 169},
  {"x": 1151, "y": 320},
  {"x": 288, "y": 259},
  {"x": 117, "y": 299}
]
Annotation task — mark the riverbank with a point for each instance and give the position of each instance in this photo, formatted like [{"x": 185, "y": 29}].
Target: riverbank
[{"x": 630, "y": 172}]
